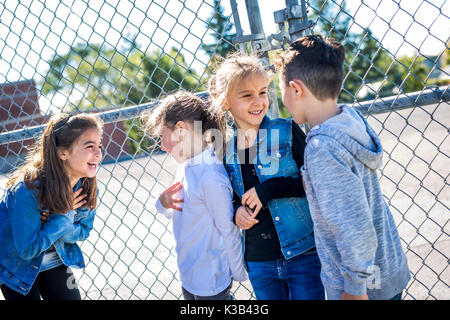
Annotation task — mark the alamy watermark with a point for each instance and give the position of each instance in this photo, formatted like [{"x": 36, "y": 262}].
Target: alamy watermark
[{"x": 374, "y": 280}]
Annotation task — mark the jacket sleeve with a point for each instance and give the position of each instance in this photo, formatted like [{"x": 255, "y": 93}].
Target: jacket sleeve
[
  {"x": 82, "y": 226},
  {"x": 31, "y": 237},
  {"x": 342, "y": 215},
  {"x": 236, "y": 204},
  {"x": 286, "y": 187},
  {"x": 218, "y": 194},
  {"x": 298, "y": 144},
  {"x": 280, "y": 187}
]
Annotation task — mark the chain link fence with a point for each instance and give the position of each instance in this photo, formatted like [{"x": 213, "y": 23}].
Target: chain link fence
[{"x": 117, "y": 58}]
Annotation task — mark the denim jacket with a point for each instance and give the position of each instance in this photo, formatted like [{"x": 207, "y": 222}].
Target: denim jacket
[
  {"x": 24, "y": 238},
  {"x": 291, "y": 216}
]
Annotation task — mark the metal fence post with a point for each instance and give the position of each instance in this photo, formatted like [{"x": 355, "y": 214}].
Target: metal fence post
[
  {"x": 258, "y": 42},
  {"x": 297, "y": 19},
  {"x": 256, "y": 27},
  {"x": 237, "y": 24}
]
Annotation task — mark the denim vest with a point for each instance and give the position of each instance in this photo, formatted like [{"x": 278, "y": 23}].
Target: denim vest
[
  {"x": 291, "y": 216},
  {"x": 24, "y": 239}
]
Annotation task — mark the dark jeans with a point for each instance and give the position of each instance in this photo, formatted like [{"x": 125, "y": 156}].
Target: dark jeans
[
  {"x": 224, "y": 295},
  {"x": 295, "y": 279},
  {"x": 54, "y": 284},
  {"x": 397, "y": 297}
]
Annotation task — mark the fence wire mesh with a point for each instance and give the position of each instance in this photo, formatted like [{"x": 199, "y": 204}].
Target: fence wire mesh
[{"x": 97, "y": 56}]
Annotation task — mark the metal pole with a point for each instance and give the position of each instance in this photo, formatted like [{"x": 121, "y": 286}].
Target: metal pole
[
  {"x": 293, "y": 23},
  {"x": 297, "y": 19},
  {"x": 379, "y": 105},
  {"x": 254, "y": 16},
  {"x": 256, "y": 27},
  {"x": 237, "y": 25}
]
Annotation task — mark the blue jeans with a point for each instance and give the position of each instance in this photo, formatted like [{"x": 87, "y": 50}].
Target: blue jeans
[{"x": 295, "y": 279}]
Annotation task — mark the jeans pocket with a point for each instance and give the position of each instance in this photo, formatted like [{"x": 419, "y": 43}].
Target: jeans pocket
[{"x": 310, "y": 252}]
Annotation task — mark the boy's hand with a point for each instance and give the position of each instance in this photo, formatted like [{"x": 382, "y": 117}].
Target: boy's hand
[
  {"x": 166, "y": 198},
  {"x": 251, "y": 199},
  {"x": 347, "y": 296},
  {"x": 245, "y": 218}
]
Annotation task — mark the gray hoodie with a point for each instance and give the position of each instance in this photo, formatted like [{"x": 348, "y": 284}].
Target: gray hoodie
[{"x": 356, "y": 237}]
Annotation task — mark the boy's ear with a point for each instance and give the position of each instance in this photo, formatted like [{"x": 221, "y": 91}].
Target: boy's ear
[{"x": 298, "y": 86}]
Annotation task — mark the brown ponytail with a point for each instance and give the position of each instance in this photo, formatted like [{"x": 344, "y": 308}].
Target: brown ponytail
[{"x": 186, "y": 106}]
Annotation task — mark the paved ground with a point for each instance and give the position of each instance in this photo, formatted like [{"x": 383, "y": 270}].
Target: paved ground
[{"x": 130, "y": 253}]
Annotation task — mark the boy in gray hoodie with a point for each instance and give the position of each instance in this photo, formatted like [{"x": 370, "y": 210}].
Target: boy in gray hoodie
[{"x": 356, "y": 237}]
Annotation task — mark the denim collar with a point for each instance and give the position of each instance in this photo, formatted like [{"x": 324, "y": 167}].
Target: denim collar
[
  {"x": 231, "y": 150},
  {"x": 78, "y": 185}
]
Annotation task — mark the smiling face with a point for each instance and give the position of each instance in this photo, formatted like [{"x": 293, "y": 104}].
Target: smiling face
[
  {"x": 81, "y": 160},
  {"x": 248, "y": 102}
]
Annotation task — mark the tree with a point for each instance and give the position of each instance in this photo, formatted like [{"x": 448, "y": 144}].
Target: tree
[
  {"x": 92, "y": 71},
  {"x": 367, "y": 62},
  {"x": 410, "y": 73},
  {"x": 446, "y": 55},
  {"x": 221, "y": 31},
  {"x": 105, "y": 76},
  {"x": 161, "y": 74}
]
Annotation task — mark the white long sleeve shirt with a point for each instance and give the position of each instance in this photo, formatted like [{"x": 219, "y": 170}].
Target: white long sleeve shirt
[{"x": 208, "y": 243}]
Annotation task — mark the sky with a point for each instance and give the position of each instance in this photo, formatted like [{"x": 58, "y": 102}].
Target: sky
[
  {"x": 33, "y": 31},
  {"x": 424, "y": 24}
]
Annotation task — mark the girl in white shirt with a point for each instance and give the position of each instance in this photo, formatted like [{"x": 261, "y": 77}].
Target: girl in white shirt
[{"x": 208, "y": 243}]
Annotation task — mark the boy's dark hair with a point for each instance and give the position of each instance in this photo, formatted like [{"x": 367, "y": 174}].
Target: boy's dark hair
[{"x": 315, "y": 60}]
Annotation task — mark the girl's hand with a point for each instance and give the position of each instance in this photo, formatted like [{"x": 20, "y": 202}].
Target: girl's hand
[
  {"x": 251, "y": 199},
  {"x": 44, "y": 215},
  {"x": 347, "y": 296},
  {"x": 245, "y": 218},
  {"x": 78, "y": 199},
  {"x": 167, "y": 200}
]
